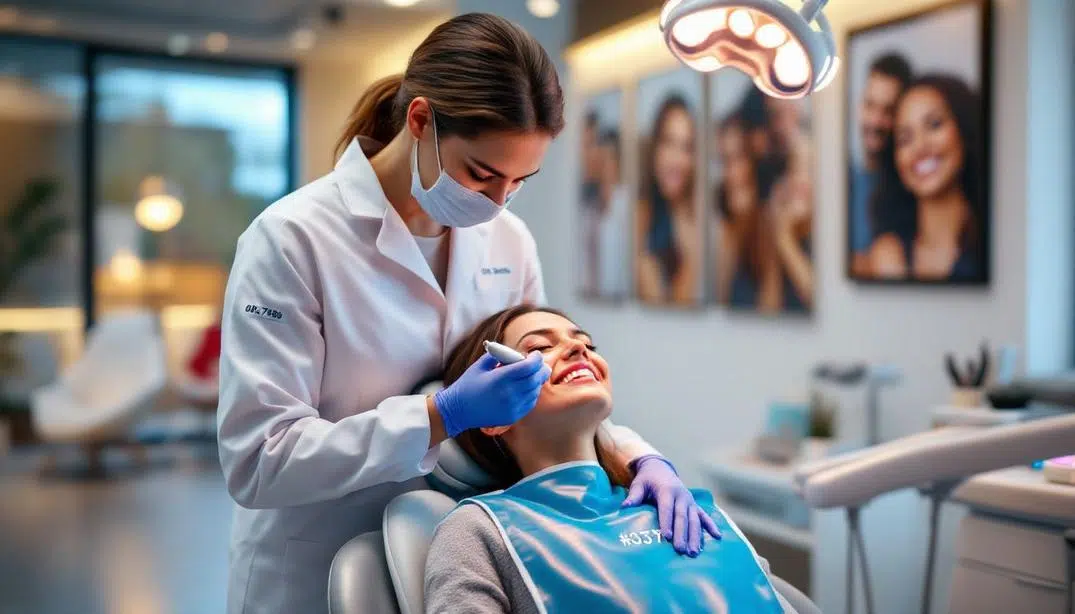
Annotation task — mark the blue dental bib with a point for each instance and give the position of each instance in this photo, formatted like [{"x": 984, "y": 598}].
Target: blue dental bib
[{"x": 578, "y": 550}]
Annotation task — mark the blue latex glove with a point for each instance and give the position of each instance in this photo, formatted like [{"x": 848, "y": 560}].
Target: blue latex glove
[
  {"x": 682, "y": 522},
  {"x": 486, "y": 395}
]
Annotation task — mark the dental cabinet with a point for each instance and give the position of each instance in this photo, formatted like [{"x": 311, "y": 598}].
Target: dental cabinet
[
  {"x": 761, "y": 498},
  {"x": 1012, "y": 554}
]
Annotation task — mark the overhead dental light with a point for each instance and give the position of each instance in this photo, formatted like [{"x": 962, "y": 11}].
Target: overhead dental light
[{"x": 788, "y": 54}]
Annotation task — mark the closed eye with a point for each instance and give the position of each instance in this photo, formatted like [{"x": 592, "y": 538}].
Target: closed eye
[{"x": 477, "y": 176}]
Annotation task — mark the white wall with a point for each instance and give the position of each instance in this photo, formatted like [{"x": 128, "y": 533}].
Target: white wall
[{"x": 331, "y": 83}]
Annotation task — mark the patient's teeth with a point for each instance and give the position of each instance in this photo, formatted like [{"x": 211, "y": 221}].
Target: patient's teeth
[{"x": 574, "y": 375}]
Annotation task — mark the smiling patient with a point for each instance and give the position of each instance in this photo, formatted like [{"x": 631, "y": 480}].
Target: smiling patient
[{"x": 558, "y": 538}]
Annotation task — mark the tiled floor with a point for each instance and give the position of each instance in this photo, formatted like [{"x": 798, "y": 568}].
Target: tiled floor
[{"x": 153, "y": 541}]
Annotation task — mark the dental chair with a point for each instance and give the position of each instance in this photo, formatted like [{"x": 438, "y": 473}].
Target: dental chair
[
  {"x": 1016, "y": 548},
  {"x": 384, "y": 571}
]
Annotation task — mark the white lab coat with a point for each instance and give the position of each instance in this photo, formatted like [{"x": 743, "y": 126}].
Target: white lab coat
[{"x": 331, "y": 317}]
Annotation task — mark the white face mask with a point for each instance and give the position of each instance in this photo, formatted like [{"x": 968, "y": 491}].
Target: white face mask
[{"x": 449, "y": 203}]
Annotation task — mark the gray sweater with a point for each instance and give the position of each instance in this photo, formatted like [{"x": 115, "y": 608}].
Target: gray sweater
[{"x": 470, "y": 570}]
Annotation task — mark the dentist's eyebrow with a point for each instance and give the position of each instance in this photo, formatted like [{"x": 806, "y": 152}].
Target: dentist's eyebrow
[{"x": 490, "y": 169}]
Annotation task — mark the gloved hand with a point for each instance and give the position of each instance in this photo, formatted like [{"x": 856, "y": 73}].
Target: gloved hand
[
  {"x": 681, "y": 520},
  {"x": 486, "y": 395}
]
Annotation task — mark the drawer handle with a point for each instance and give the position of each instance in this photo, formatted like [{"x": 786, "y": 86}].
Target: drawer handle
[{"x": 1041, "y": 584}]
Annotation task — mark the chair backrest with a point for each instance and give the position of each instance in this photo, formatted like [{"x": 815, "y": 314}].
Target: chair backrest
[
  {"x": 409, "y": 524},
  {"x": 124, "y": 359},
  {"x": 359, "y": 581},
  {"x": 384, "y": 571}
]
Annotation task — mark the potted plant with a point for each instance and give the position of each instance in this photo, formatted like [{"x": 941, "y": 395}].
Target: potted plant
[{"x": 29, "y": 229}]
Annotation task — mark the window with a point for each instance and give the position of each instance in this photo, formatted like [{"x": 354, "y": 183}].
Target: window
[
  {"x": 126, "y": 179},
  {"x": 210, "y": 145}
]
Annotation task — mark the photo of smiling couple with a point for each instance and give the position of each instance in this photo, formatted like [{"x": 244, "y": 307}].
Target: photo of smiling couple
[{"x": 918, "y": 205}]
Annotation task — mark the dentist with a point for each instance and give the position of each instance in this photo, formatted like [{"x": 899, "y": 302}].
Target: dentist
[{"x": 348, "y": 292}]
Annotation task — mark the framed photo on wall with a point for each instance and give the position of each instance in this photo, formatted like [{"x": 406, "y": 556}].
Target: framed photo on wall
[
  {"x": 605, "y": 202},
  {"x": 669, "y": 217},
  {"x": 761, "y": 172},
  {"x": 918, "y": 148}
]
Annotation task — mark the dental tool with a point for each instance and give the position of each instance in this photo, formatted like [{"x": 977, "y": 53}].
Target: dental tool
[{"x": 503, "y": 353}]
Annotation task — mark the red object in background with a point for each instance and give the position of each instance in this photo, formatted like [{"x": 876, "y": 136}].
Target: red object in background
[{"x": 204, "y": 362}]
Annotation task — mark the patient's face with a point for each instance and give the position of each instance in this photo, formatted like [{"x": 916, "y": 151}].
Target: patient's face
[{"x": 580, "y": 377}]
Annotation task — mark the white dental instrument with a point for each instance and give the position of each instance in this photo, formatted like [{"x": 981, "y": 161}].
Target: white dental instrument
[{"x": 503, "y": 353}]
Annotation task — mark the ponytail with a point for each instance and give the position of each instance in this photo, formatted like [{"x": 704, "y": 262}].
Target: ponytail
[
  {"x": 479, "y": 71},
  {"x": 374, "y": 114}
]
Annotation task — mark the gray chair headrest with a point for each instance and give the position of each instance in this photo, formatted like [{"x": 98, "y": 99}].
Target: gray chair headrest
[{"x": 456, "y": 474}]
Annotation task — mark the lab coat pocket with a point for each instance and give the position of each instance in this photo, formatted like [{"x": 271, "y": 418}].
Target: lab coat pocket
[{"x": 306, "y": 567}]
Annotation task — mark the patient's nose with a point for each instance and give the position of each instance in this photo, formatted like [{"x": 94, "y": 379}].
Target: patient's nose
[{"x": 574, "y": 348}]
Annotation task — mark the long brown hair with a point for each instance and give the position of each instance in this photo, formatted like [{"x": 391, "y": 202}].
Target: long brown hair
[
  {"x": 480, "y": 73},
  {"x": 490, "y": 452}
]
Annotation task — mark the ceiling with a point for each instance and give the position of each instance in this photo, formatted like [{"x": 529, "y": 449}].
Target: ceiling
[{"x": 254, "y": 27}]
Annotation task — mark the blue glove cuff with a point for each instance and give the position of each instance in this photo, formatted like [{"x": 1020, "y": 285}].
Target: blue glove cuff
[
  {"x": 636, "y": 464},
  {"x": 442, "y": 400}
]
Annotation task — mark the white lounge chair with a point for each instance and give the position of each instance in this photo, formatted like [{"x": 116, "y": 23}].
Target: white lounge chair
[{"x": 113, "y": 385}]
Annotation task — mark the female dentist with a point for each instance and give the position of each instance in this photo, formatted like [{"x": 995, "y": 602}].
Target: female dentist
[{"x": 351, "y": 290}]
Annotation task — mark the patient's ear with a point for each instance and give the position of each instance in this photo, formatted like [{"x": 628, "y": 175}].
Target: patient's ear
[{"x": 495, "y": 431}]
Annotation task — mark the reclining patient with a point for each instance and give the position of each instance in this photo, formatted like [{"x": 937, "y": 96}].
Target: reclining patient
[{"x": 558, "y": 538}]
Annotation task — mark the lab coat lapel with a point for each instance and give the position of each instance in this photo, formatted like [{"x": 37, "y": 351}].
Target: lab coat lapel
[
  {"x": 468, "y": 254},
  {"x": 396, "y": 243},
  {"x": 364, "y": 197}
]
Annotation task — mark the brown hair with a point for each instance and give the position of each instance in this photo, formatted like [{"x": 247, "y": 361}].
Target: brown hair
[
  {"x": 490, "y": 452},
  {"x": 479, "y": 72}
]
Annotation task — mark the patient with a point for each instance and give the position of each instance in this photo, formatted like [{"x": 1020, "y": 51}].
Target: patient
[{"x": 558, "y": 537}]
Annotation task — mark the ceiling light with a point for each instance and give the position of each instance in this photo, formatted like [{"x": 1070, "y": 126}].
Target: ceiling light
[
  {"x": 695, "y": 28},
  {"x": 788, "y": 54},
  {"x": 706, "y": 63},
  {"x": 770, "y": 36},
  {"x": 178, "y": 44},
  {"x": 159, "y": 208},
  {"x": 217, "y": 42},
  {"x": 401, "y": 3},
  {"x": 543, "y": 8},
  {"x": 303, "y": 39},
  {"x": 741, "y": 23},
  {"x": 8, "y": 15}
]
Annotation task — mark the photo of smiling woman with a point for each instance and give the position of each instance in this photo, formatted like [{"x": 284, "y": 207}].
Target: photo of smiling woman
[
  {"x": 918, "y": 202},
  {"x": 928, "y": 207},
  {"x": 669, "y": 231}
]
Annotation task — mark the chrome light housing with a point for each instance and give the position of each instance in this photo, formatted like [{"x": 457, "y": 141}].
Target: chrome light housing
[{"x": 788, "y": 54}]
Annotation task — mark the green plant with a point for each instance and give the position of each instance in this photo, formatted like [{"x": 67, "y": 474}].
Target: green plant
[
  {"x": 822, "y": 416},
  {"x": 28, "y": 232}
]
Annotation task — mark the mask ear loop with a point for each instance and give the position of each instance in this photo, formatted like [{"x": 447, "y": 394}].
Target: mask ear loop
[{"x": 436, "y": 139}]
